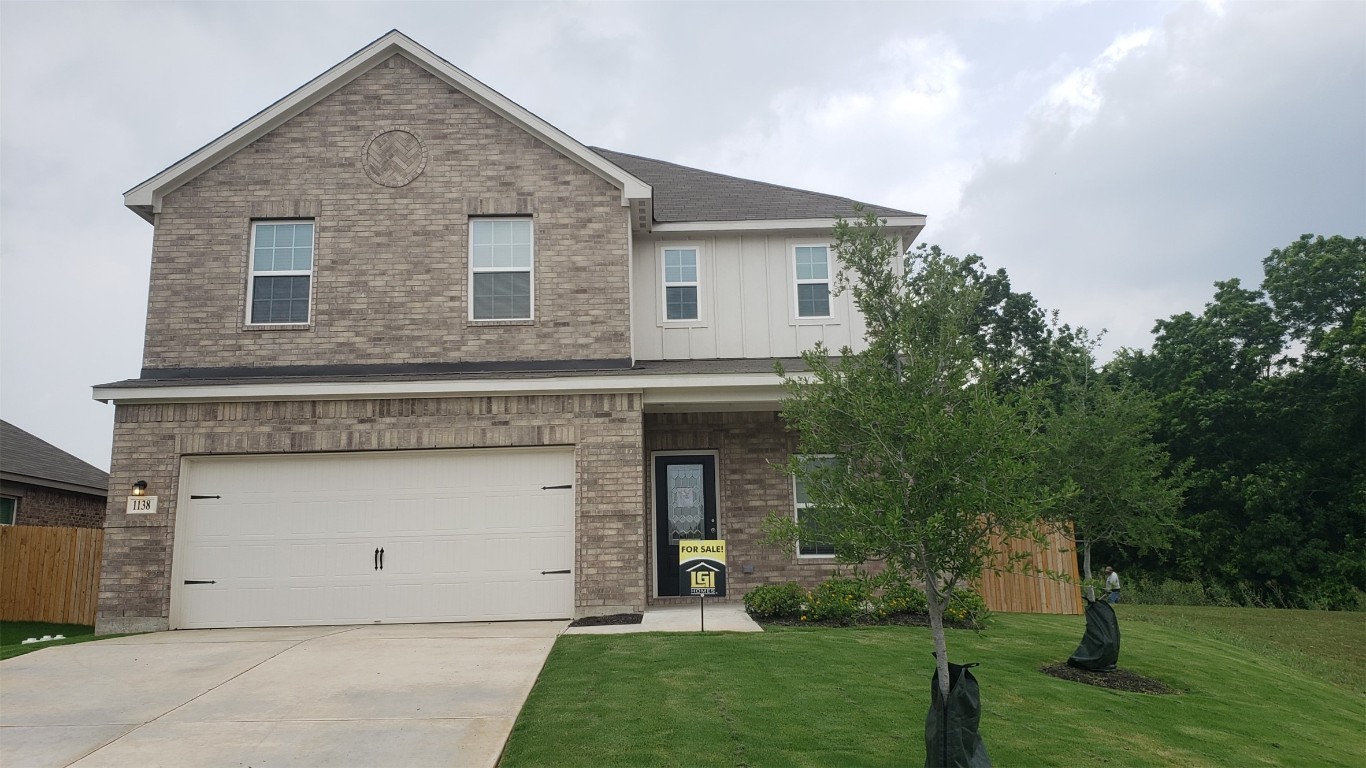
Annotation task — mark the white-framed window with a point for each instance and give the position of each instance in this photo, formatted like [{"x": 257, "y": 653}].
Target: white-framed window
[
  {"x": 9, "y": 510},
  {"x": 680, "y": 270},
  {"x": 810, "y": 543},
  {"x": 501, "y": 257},
  {"x": 280, "y": 283},
  {"x": 812, "y": 271}
]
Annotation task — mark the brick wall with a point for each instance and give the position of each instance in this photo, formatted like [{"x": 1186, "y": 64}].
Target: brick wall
[
  {"x": 54, "y": 507},
  {"x": 149, "y": 441},
  {"x": 750, "y": 446},
  {"x": 390, "y": 266}
]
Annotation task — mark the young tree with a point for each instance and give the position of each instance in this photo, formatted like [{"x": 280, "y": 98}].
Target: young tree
[
  {"x": 933, "y": 463},
  {"x": 1101, "y": 441}
]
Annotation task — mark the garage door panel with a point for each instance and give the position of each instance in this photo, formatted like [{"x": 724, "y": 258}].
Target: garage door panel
[{"x": 292, "y": 539}]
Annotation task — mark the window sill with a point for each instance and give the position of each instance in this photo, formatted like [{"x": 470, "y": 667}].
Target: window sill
[
  {"x": 814, "y": 321},
  {"x": 502, "y": 322},
  {"x": 279, "y": 327}
]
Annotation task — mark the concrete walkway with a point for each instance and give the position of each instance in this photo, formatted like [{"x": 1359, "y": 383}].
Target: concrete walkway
[
  {"x": 720, "y": 617},
  {"x": 380, "y": 695}
]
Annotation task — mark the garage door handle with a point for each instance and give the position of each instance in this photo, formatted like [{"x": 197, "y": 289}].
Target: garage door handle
[
  {"x": 543, "y": 573},
  {"x": 379, "y": 558},
  {"x": 195, "y": 581}
]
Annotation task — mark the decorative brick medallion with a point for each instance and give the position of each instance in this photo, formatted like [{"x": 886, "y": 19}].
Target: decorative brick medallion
[{"x": 394, "y": 157}]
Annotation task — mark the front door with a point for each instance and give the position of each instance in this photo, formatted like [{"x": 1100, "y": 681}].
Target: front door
[{"x": 685, "y": 508}]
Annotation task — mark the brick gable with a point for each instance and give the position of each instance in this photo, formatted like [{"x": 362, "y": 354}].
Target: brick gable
[{"x": 391, "y": 280}]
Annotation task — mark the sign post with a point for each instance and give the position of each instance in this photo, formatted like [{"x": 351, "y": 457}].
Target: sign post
[{"x": 702, "y": 571}]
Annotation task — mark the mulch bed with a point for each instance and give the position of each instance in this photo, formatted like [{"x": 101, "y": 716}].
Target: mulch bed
[
  {"x": 609, "y": 620},
  {"x": 1119, "y": 680},
  {"x": 899, "y": 620}
]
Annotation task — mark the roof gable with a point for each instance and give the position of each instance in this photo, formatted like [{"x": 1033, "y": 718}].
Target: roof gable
[
  {"x": 26, "y": 458},
  {"x": 145, "y": 199}
]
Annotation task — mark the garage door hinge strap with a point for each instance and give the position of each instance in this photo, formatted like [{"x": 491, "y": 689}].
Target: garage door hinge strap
[
  {"x": 556, "y": 487},
  {"x": 193, "y": 496},
  {"x": 543, "y": 573},
  {"x": 196, "y": 581}
]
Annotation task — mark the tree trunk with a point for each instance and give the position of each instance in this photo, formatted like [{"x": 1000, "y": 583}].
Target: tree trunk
[
  {"x": 1086, "y": 569},
  {"x": 937, "y": 604}
]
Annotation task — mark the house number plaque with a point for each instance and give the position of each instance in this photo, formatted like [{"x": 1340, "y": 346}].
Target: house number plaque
[{"x": 142, "y": 505}]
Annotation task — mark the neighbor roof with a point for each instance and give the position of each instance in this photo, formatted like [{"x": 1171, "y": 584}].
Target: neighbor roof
[
  {"x": 690, "y": 194},
  {"x": 28, "y": 459}
]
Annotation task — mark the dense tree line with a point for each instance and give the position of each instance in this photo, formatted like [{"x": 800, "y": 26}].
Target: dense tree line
[
  {"x": 1233, "y": 453},
  {"x": 1262, "y": 397}
]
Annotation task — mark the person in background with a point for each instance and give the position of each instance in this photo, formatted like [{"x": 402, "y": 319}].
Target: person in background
[{"x": 1112, "y": 584}]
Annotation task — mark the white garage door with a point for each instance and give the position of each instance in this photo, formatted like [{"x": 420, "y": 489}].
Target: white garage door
[{"x": 392, "y": 537}]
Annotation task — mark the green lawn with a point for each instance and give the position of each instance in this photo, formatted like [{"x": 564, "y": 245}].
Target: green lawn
[
  {"x": 1331, "y": 645},
  {"x": 857, "y": 696},
  {"x": 13, "y": 634}
]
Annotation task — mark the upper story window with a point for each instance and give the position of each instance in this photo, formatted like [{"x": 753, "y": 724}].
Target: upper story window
[
  {"x": 813, "y": 280},
  {"x": 281, "y": 278},
  {"x": 680, "y": 284},
  {"x": 811, "y": 543},
  {"x": 500, "y": 269}
]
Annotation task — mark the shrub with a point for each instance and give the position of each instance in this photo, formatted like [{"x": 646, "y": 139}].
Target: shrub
[
  {"x": 967, "y": 607},
  {"x": 899, "y": 598},
  {"x": 775, "y": 601},
  {"x": 839, "y": 599}
]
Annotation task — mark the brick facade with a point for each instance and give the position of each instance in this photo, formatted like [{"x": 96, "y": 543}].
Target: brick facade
[
  {"x": 390, "y": 263},
  {"x": 750, "y": 446},
  {"x": 54, "y": 507},
  {"x": 150, "y": 440}
]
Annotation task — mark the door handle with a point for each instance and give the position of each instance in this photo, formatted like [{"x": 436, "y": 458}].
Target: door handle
[
  {"x": 377, "y": 558},
  {"x": 381, "y": 558}
]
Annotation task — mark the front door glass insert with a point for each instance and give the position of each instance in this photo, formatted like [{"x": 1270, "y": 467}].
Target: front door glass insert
[{"x": 686, "y": 501}]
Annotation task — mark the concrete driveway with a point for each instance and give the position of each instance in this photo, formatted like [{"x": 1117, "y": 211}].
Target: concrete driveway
[{"x": 380, "y": 695}]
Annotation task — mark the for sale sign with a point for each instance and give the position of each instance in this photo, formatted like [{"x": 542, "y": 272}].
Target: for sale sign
[{"x": 702, "y": 567}]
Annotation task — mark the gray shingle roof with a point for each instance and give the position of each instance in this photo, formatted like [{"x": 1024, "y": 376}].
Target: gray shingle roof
[
  {"x": 689, "y": 194},
  {"x": 27, "y": 456}
]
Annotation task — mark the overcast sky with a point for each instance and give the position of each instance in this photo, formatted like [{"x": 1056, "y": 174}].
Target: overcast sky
[{"x": 1115, "y": 158}]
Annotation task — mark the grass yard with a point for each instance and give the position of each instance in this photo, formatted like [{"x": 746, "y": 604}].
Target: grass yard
[
  {"x": 1331, "y": 645},
  {"x": 13, "y": 634},
  {"x": 858, "y": 696}
]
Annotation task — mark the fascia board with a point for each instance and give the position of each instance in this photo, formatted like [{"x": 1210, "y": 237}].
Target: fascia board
[
  {"x": 893, "y": 222},
  {"x": 148, "y": 194},
  {"x": 722, "y": 387},
  {"x": 43, "y": 482}
]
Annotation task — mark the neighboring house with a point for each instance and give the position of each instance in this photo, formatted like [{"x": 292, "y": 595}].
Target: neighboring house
[
  {"x": 40, "y": 484},
  {"x": 413, "y": 354}
]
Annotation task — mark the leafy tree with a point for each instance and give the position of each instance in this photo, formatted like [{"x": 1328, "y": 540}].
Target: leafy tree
[
  {"x": 933, "y": 461},
  {"x": 1262, "y": 395},
  {"x": 1101, "y": 442}
]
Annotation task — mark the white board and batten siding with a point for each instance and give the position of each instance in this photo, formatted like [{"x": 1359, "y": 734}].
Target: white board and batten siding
[
  {"x": 292, "y": 539},
  {"x": 746, "y": 298}
]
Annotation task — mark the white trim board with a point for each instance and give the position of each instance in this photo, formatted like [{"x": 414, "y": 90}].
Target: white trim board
[{"x": 682, "y": 391}]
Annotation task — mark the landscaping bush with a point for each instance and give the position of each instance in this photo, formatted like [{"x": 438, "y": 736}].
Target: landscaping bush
[
  {"x": 967, "y": 607},
  {"x": 839, "y": 599},
  {"x": 775, "y": 601},
  {"x": 902, "y": 599}
]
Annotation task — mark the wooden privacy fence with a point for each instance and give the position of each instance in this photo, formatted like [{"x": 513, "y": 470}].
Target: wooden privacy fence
[
  {"x": 1028, "y": 589},
  {"x": 50, "y": 574}
]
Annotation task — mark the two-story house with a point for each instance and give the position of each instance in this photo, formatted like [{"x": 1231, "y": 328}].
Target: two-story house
[{"x": 413, "y": 354}]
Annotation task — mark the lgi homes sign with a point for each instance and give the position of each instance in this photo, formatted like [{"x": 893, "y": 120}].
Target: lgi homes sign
[{"x": 702, "y": 567}]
